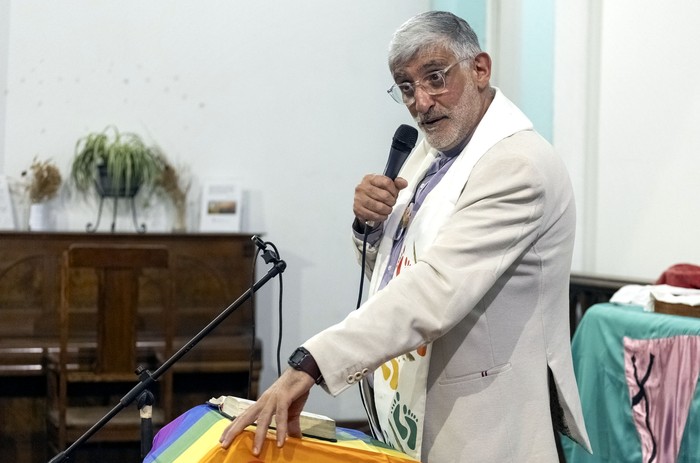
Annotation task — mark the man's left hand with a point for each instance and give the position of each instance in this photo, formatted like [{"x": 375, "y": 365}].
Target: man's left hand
[{"x": 284, "y": 400}]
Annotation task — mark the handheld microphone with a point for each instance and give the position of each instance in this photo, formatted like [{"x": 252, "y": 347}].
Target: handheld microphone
[{"x": 402, "y": 144}]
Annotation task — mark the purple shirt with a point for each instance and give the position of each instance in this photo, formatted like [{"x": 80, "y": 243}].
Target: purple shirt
[{"x": 433, "y": 175}]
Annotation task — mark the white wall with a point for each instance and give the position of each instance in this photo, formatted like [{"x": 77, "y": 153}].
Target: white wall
[
  {"x": 626, "y": 117},
  {"x": 576, "y": 88},
  {"x": 649, "y": 142},
  {"x": 287, "y": 97},
  {"x": 4, "y": 42}
]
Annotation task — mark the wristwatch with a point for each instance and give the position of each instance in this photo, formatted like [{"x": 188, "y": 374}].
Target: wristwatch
[{"x": 302, "y": 360}]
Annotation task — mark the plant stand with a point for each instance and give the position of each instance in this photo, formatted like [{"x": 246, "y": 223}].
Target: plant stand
[{"x": 139, "y": 228}]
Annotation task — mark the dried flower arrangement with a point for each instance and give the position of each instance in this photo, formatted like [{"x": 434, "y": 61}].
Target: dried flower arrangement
[
  {"x": 44, "y": 182},
  {"x": 172, "y": 185}
]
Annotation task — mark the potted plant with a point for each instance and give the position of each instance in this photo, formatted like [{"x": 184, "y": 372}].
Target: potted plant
[
  {"x": 115, "y": 164},
  {"x": 43, "y": 183}
]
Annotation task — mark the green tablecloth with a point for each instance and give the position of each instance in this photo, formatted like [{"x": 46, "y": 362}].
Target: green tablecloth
[{"x": 600, "y": 371}]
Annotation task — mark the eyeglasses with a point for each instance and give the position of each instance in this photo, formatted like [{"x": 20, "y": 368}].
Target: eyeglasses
[{"x": 433, "y": 83}]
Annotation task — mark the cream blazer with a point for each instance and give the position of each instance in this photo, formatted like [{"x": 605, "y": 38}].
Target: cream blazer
[{"x": 491, "y": 294}]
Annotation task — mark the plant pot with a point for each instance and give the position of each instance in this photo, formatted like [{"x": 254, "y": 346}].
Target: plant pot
[
  {"x": 106, "y": 188},
  {"x": 40, "y": 217}
]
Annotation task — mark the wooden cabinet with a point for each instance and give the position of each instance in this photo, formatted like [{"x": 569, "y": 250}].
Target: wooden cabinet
[{"x": 210, "y": 271}]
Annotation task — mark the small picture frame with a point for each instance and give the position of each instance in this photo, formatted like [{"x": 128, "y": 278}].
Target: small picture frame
[{"x": 221, "y": 207}]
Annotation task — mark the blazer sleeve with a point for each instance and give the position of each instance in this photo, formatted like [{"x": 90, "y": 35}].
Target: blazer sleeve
[{"x": 496, "y": 218}]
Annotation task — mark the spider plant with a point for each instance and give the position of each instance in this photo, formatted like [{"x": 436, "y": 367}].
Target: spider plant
[{"x": 114, "y": 163}]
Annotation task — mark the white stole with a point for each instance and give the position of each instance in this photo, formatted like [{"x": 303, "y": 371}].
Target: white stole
[{"x": 400, "y": 384}]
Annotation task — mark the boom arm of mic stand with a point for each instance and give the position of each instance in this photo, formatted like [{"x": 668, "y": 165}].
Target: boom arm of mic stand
[{"x": 147, "y": 378}]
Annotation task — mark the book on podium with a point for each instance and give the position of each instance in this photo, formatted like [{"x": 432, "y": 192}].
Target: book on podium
[{"x": 312, "y": 425}]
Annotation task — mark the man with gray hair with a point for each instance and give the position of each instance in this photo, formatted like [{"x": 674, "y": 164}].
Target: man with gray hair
[{"x": 463, "y": 346}]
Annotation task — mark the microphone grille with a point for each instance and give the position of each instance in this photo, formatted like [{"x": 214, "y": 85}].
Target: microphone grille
[{"x": 407, "y": 135}]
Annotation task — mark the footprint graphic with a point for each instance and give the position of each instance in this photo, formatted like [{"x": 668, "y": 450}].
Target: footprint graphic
[
  {"x": 396, "y": 414},
  {"x": 412, "y": 424},
  {"x": 405, "y": 422},
  {"x": 392, "y": 372}
]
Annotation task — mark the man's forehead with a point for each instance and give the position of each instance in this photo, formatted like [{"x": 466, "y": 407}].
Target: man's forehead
[{"x": 424, "y": 60}]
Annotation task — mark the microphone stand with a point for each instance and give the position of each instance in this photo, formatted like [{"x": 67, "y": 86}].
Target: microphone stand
[{"x": 146, "y": 378}]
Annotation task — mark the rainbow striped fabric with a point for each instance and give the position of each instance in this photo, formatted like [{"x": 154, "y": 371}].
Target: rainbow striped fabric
[{"x": 194, "y": 437}]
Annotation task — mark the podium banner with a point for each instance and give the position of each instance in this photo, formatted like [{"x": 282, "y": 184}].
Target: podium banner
[{"x": 194, "y": 437}]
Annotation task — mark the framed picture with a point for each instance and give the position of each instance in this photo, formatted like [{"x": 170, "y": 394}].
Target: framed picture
[{"x": 221, "y": 207}]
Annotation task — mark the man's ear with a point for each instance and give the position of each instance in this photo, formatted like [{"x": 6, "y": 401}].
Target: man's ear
[{"x": 482, "y": 68}]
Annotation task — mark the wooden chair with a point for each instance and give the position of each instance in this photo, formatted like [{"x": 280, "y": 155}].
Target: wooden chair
[{"x": 88, "y": 375}]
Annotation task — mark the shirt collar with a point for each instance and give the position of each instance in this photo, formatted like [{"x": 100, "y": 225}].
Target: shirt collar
[{"x": 457, "y": 149}]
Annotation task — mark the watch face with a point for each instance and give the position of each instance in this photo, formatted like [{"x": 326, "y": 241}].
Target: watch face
[
  {"x": 302, "y": 360},
  {"x": 297, "y": 357}
]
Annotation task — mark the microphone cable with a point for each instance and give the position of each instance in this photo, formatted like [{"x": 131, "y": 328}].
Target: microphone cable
[
  {"x": 362, "y": 269},
  {"x": 359, "y": 303},
  {"x": 279, "y": 311},
  {"x": 268, "y": 256}
]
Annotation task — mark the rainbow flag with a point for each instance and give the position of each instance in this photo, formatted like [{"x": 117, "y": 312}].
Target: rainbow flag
[{"x": 194, "y": 437}]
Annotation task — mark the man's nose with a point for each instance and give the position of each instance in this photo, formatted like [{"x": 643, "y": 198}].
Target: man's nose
[{"x": 423, "y": 99}]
